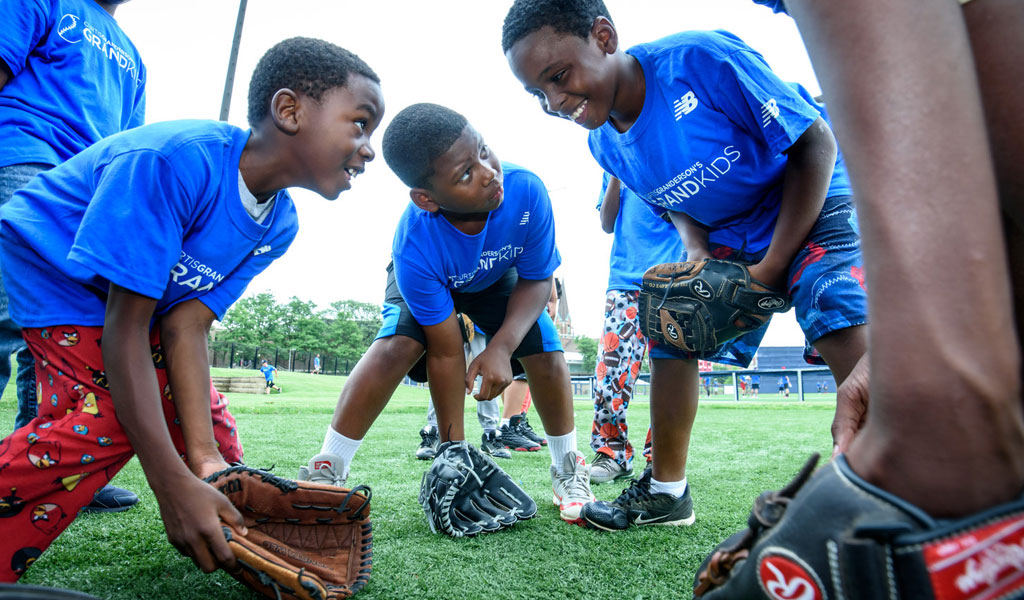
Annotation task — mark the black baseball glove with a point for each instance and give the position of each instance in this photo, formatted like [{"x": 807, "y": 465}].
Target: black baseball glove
[
  {"x": 699, "y": 305},
  {"x": 465, "y": 493}
]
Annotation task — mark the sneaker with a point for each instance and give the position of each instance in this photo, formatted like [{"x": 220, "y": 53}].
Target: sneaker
[
  {"x": 490, "y": 444},
  {"x": 526, "y": 431},
  {"x": 324, "y": 468},
  {"x": 571, "y": 490},
  {"x": 513, "y": 440},
  {"x": 637, "y": 505},
  {"x": 110, "y": 498},
  {"x": 429, "y": 443},
  {"x": 605, "y": 469}
]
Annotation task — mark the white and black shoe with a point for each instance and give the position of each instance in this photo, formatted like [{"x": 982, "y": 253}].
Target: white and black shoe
[{"x": 638, "y": 505}]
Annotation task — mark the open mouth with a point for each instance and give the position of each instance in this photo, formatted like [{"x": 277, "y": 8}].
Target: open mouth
[
  {"x": 576, "y": 114},
  {"x": 352, "y": 172}
]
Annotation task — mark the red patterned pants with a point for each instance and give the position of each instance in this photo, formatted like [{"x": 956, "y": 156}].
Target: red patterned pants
[{"x": 50, "y": 468}]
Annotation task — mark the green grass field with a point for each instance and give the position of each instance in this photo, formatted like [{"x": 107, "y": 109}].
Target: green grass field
[{"x": 738, "y": 450}]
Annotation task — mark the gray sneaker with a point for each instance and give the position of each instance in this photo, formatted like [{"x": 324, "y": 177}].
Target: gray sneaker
[
  {"x": 324, "y": 468},
  {"x": 490, "y": 444},
  {"x": 428, "y": 443},
  {"x": 571, "y": 490},
  {"x": 605, "y": 469}
]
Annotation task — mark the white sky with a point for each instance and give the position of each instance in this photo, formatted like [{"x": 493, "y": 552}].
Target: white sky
[{"x": 442, "y": 51}]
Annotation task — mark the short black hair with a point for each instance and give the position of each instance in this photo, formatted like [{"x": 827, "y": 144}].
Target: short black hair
[
  {"x": 305, "y": 65},
  {"x": 564, "y": 16},
  {"x": 418, "y": 135}
]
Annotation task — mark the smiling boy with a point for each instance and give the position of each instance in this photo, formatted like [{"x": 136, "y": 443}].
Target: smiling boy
[
  {"x": 477, "y": 238},
  {"x": 143, "y": 239}
]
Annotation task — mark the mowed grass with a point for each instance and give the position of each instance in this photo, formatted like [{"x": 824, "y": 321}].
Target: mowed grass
[{"x": 738, "y": 450}]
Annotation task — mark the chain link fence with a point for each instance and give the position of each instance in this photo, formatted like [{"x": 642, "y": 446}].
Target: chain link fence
[{"x": 230, "y": 355}]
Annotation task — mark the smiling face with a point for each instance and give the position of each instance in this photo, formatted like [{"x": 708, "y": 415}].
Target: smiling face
[
  {"x": 334, "y": 144},
  {"x": 467, "y": 180},
  {"x": 572, "y": 77}
]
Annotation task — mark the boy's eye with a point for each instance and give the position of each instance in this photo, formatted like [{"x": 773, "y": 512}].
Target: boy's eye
[
  {"x": 558, "y": 76},
  {"x": 361, "y": 124},
  {"x": 466, "y": 176},
  {"x": 485, "y": 152}
]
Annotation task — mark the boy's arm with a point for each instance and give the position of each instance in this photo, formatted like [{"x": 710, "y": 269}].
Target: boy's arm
[
  {"x": 552, "y": 305},
  {"x": 446, "y": 372},
  {"x": 525, "y": 303},
  {"x": 695, "y": 237},
  {"x": 183, "y": 334},
  {"x": 809, "y": 165},
  {"x": 191, "y": 509},
  {"x": 610, "y": 205}
]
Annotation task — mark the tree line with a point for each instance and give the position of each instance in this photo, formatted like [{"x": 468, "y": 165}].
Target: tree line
[{"x": 345, "y": 329}]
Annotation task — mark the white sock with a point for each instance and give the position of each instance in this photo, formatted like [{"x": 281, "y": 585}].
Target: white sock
[
  {"x": 341, "y": 446},
  {"x": 676, "y": 488},
  {"x": 560, "y": 445},
  {"x": 505, "y": 422}
]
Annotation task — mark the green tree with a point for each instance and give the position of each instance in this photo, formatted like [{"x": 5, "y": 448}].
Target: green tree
[
  {"x": 302, "y": 326},
  {"x": 255, "y": 320},
  {"x": 351, "y": 327},
  {"x": 588, "y": 348}
]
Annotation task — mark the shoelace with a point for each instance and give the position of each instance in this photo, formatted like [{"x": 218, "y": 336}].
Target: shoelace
[
  {"x": 637, "y": 488},
  {"x": 576, "y": 484}
]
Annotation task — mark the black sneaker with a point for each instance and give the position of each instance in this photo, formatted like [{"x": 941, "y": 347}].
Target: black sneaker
[
  {"x": 637, "y": 505},
  {"x": 429, "y": 443},
  {"x": 490, "y": 444},
  {"x": 111, "y": 499},
  {"x": 513, "y": 440},
  {"x": 526, "y": 431}
]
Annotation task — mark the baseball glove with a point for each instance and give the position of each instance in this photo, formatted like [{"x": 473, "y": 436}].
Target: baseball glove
[
  {"x": 835, "y": 535},
  {"x": 305, "y": 540},
  {"x": 699, "y": 305},
  {"x": 465, "y": 493}
]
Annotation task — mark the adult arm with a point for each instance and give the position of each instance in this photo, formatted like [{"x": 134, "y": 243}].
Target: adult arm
[
  {"x": 446, "y": 371},
  {"x": 183, "y": 334},
  {"x": 191, "y": 509},
  {"x": 610, "y": 205},
  {"x": 525, "y": 304},
  {"x": 809, "y": 165}
]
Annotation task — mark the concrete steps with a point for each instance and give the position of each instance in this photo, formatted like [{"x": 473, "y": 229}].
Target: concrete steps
[{"x": 240, "y": 385}]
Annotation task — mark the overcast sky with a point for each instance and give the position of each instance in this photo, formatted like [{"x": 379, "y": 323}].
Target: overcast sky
[{"x": 442, "y": 51}]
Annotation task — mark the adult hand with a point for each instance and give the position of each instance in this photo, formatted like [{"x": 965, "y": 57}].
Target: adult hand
[{"x": 851, "y": 406}]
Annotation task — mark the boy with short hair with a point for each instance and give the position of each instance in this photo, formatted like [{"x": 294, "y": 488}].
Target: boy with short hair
[
  {"x": 210, "y": 201},
  {"x": 743, "y": 164},
  {"x": 268, "y": 372},
  {"x": 477, "y": 238},
  {"x": 69, "y": 76}
]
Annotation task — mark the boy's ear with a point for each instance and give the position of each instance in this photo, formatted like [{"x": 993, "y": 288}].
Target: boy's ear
[
  {"x": 422, "y": 198},
  {"x": 284, "y": 110},
  {"x": 605, "y": 35}
]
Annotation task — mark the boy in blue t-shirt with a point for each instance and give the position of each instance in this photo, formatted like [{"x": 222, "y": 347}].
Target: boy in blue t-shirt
[
  {"x": 641, "y": 241},
  {"x": 205, "y": 210},
  {"x": 268, "y": 374},
  {"x": 478, "y": 238},
  {"x": 69, "y": 76},
  {"x": 743, "y": 164}
]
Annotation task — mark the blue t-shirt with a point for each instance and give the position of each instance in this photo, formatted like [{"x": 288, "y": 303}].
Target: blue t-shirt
[
  {"x": 775, "y": 5},
  {"x": 155, "y": 210},
  {"x": 433, "y": 258},
  {"x": 710, "y": 139},
  {"x": 642, "y": 240},
  {"x": 268, "y": 372},
  {"x": 77, "y": 78}
]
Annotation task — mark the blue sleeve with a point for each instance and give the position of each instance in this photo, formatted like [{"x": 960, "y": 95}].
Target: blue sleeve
[
  {"x": 139, "y": 112},
  {"x": 135, "y": 192},
  {"x": 227, "y": 292},
  {"x": 25, "y": 24},
  {"x": 429, "y": 301},
  {"x": 738, "y": 82},
  {"x": 776, "y": 5},
  {"x": 540, "y": 256}
]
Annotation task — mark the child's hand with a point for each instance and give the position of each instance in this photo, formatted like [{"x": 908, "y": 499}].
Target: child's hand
[
  {"x": 192, "y": 511},
  {"x": 204, "y": 467},
  {"x": 851, "y": 406},
  {"x": 495, "y": 369},
  {"x": 773, "y": 277}
]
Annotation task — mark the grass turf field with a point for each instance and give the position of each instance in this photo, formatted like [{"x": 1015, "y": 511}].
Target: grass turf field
[{"x": 738, "y": 450}]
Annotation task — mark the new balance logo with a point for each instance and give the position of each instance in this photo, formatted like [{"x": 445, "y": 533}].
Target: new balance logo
[
  {"x": 685, "y": 105},
  {"x": 261, "y": 250},
  {"x": 526, "y": 218},
  {"x": 769, "y": 111}
]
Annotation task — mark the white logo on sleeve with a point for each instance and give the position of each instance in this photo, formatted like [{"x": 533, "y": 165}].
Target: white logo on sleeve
[
  {"x": 685, "y": 105},
  {"x": 526, "y": 218},
  {"x": 769, "y": 111},
  {"x": 69, "y": 30},
  {"x": 261, "y": 250}
]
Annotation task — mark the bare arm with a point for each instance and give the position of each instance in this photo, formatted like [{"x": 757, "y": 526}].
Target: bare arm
[
  {"x": 552, "y": 306},
  {"x": 183, "y": 334},
  {"x": 5, "y": 74},
  {"x": 694, "y": 236},
  {"x": 811, "y": 160},
  {"x": 610, "y": 205},
  {"x": 446, "y": 371},
  {"x": 191, "y": 509}
]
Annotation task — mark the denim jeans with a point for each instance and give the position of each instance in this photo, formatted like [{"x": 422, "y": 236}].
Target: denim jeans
[{"x": 12, "y": 178}]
